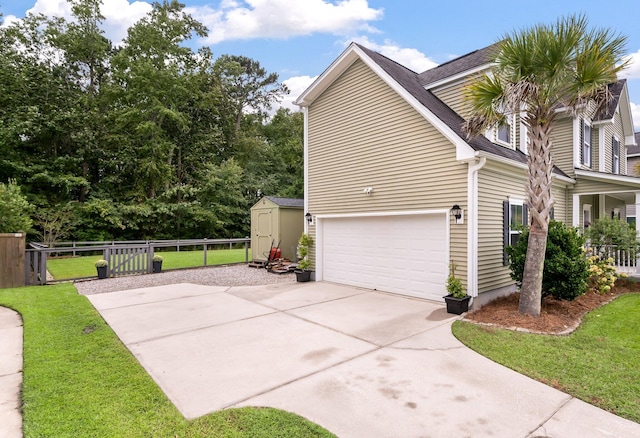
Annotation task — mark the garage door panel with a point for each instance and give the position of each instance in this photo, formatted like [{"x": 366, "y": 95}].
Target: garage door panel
[{"x": 402, "y": 254}]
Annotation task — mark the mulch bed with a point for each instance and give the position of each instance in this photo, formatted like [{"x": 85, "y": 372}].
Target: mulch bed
[{"x": 556, "y": 316}]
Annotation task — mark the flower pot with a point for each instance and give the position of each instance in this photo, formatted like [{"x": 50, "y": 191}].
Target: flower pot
[
  {"x": 303, "y": 276},
  {"x": 102, "y": 272},
  {"x": 157, "y": 266},
  {"x": 457, "y": 306}
]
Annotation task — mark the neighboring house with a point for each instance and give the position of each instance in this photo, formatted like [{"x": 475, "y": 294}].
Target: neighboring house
[
  {"x": 633, "y": 168},
  {"x": 386, "y": 160}
]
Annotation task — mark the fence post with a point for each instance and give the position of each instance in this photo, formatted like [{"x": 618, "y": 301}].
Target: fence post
[
  {"x": 246, "y": 252},
  {"x": 74, "y": 245},
  {"x": 12, "y": 254},
  {"x": 205, "y": 251},
  {"x": 151, "y": 252}
]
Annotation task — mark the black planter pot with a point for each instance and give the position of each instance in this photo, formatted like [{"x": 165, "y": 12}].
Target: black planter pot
[
  {"x": 157, "y": 266},
  {"x": 457, "y": 306},
  {"x": 303, "y": 276},
  {"x": 102, "y": 272}
]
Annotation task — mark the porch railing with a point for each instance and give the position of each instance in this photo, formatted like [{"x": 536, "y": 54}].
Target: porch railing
[{"x": 625, "y": 260}]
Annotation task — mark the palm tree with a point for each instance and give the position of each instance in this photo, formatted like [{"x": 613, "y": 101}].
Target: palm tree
[{"x": 538, "y": 73}]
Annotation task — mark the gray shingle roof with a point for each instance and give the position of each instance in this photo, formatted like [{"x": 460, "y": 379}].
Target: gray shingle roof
[
  {"x": 459, "y": 65},
  {"x": 411, "y": 82},
  {"x": 286, "y": 202},
  {"x": 605, "y": 113},
  {"x": 634, "y": 150}
]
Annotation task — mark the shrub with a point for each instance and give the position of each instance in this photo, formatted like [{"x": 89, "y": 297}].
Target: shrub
[
  {"x": 304, "y": 243},
  {"x": 15, "y": 210},
  {"x": 454, "y": 285},
  {"x": 611, "y": 232},
  {"x": 101, "y": 263},
  {"x": 157, "y": 258},
  {"x": 602, "y": 273},
  {"x": 566, "y": 267}
]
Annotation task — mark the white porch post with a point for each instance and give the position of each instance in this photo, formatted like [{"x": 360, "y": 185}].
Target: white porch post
[
  {"x": 637, "y": 215},
  {"x": 637, "y": 229},
  {"x": 576, "y": 211},
  {"x": 602, "y": 212}
]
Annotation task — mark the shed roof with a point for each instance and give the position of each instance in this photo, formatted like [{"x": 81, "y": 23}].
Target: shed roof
[{"x": 287, "y": 202}]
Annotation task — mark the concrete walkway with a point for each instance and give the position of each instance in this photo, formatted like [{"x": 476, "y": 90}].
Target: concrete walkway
[
  {"x": 358, "y": 362},
  {"x": 10, "y": 373}
]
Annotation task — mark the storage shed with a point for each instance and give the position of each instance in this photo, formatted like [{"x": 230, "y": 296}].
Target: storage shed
[{"x": 276, "y": 220}]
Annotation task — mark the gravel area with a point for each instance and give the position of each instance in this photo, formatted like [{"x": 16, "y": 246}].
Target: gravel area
[{"x": 228, "y": 275}]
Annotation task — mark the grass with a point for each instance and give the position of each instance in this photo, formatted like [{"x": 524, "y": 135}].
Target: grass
[
  {"x": 599, "y": 363},
  {"x": 79, "y": 380},
  {"x": 76, "y": 267}
]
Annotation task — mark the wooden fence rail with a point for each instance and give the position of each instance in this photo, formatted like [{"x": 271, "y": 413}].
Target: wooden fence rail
[{"x": 124, "y": 257}]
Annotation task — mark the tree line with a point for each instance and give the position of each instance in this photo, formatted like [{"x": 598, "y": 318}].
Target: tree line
[{"x": 146, "y": 139}]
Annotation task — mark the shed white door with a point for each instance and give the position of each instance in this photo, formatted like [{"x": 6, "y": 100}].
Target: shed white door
[{"x": 404, "y": 254}]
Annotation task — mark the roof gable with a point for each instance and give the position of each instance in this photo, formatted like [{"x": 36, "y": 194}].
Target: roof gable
[{"x": 409, "y": 86}]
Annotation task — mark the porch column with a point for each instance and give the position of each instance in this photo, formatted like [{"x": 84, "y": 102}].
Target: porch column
[
  {"x": 637, "y": 229},
  {"x": 602, "y": 213},
  {"x": 637, "y": 214},
  {"x": 575, "y": 220}
]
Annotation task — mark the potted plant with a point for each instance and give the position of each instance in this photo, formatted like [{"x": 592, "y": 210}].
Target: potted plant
[
  {"x": 303, "y": 273},
  {"x": 101, "y": 267},
  {"x": 157, "y": 263},
  {"x": 457, "y": 300}
]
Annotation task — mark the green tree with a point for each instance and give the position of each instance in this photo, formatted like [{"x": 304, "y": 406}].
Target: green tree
[
  {"x": 246, "y": 86},
  {"x": 539, "y": 72},
  {"x": 15, "y": 210}
]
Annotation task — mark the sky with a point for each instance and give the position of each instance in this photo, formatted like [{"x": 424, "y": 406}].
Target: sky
[{"x": 299, "y": 39}]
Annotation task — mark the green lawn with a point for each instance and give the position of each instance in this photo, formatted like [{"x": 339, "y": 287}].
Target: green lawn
[
  {"x": 75, "y": 267},
  {"x": 81, "y": 381},
  {"x": 599, "y": 363}
]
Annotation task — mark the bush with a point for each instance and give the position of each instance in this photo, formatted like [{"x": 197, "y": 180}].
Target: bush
[
  {"x": 15, "y": 210},
  {"x": 602, "y": 273},
  {"x": 566, "y": 269},
  {"x": 612, "y": 232},
  {"x": 454, "y": 285}
]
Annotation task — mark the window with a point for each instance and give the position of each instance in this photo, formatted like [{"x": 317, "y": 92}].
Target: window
[
  {"x": 615, "y": 155},
  {"x": 503, "y": 134},
  {"x": 586, "y": 144},
  {"x": 586, "y": 215},
  {"x": 515, "y": 219}
]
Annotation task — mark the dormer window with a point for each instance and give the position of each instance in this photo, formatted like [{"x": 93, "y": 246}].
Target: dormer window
[
  {"x": 503, "y": 131},
  {"x": 586, "y": 144}
]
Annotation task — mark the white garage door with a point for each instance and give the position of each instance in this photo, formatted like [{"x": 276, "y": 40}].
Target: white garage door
[{"x": 403, "y": 254}]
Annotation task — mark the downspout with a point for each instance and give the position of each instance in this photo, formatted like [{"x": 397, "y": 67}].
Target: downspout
[
  {"x": 472, "y": 226},
  {"x": 306, "y": 165}
]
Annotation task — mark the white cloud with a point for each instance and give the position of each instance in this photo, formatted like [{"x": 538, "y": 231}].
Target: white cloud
[
  {"x": 635, "y": 113},
  {"x": 296, "y": 85},
  {"x": 248, "y": 19},
  {"x": 633, "y": 71},
  {"x": 119, "y": 14},
  {"x": 408, "y": 57}
]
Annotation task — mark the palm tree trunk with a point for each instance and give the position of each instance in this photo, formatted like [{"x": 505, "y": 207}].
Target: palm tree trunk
[{"x": 540, "y": 203}]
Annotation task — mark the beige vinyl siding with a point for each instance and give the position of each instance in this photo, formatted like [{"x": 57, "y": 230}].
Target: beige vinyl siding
[
  {"x": 562, "y": 148},
  {"x": 361, "y": 133},
  {"x": 496, "y": 184},
  {"x": 452, "y": 94}
]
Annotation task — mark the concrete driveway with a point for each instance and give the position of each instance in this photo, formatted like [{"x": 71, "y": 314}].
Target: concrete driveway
[{"x": 358, "y": 362}]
